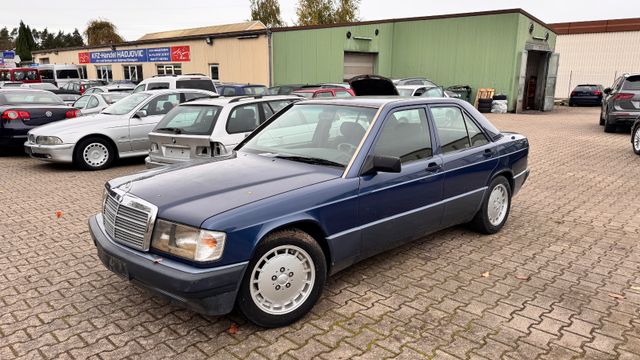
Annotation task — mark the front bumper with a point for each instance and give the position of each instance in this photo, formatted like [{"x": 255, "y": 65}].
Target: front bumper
[
  {"x": 55, "y": 153},
  {"x": 206, "y": 291}
]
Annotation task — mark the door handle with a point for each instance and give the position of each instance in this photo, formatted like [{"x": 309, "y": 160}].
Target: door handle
[
  {"x": 433, "y": 167},
  {"x": 489, "y": 152}
]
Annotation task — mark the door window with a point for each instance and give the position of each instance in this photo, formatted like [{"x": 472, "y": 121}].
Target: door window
[
  {"x": 162, "y": 104},
  {"x": 243, "y": 119},
  {"x": 93, "y": 102},
  {"x": 405, "y": 134},
  {"x": 81, "y": 102},
  {"x": 455, "y": 130},
  {"x": 228, "y": 91}
]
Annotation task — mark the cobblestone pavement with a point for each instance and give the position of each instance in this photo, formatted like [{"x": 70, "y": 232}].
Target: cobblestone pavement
[{"x": 560, "y": 281}]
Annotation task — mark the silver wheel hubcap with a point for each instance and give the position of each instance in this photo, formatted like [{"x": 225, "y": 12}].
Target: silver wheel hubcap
[
  {"x": 498, "y": 204},
  {"x": 636, "y": 140},
  {"x": 95, "y": 154},
  {"x": 282, "y": 280}
]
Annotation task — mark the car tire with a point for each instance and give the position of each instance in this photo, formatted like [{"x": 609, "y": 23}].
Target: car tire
[
  {"x": 635, "y": 139},
  {"x": 93, "y": 153},
  {"x": 608, "y": 128},
  {"x": 601, "y": 118},
  {"x": 287, "y": 265},
  {"x": 495, "y": 208}
]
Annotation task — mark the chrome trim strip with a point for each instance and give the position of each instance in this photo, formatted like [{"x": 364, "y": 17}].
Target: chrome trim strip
[
  {"x": 361, "y": 227},
  {"x": 522, "y": 173},
  {"x": 364, "y": 138}
]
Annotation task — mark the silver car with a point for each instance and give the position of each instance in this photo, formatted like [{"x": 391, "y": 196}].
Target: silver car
[
  {"x": 94, "y": 103},
  {"x": 119, "y": 131},
  {"x": 206, "y": 128}
]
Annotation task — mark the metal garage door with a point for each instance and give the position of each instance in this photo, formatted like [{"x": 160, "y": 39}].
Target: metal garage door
[{"x": 358, "y": 64}]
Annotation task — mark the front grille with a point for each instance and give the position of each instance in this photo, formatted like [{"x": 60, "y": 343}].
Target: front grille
[{"x": 128, "y": 221}]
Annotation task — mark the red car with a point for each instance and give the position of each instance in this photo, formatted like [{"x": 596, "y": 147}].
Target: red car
[
  {"x": 23, "y": 75},
  {"x": 310, "y": 93}
]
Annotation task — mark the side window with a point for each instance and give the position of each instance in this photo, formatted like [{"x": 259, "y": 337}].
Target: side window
[
  {"x": 451, "y": 129},
  {"x": 191, "y": 96},
  {"x": 138, "y": 89},
  {"x": 76, "y": 87},
  {"x": 81, "y": 102},
  {"x": 162, "y": 104},
  {"x": 158, "y": 86},
  {"x": 434, "y": 92},
  {"x": 476, "y": 136},
  {"x": 243, "y": 119},
  {"x": 324, "y": 94},
  {"x": 278, "y": 105},
  {"x": 414, "y": 82},
  {"x": 340, "y": 93},
  {"x": 228, "y": 91},
  {"x": 268, "y": 112},
  {"x": 405, "y": 134},
  {"x": 419, "y": 92},
  {"x": 93, "y": 102}
]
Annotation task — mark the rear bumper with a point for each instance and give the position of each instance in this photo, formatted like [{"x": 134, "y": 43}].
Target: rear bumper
[
  {"x": 54, "y": 153},
  {"x": 585, "y": 101},
  {"x": 12, "y": 140},
  {"x": 519, "y": 180},
  {"x": 623, "y": 117},
  {"x": 206, "y": 291}
]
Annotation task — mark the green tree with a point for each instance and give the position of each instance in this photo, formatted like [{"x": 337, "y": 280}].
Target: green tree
[
  {"x": 267, "y": 11},
  {"x": 76, "y": 39},
  {"x": 317, "y": 12},
  {"x": 24, "y": 43},
  {"x": 6, "y": 40},
  {"x": 102, "y": 32},
  {"x": 346, "y": 11}
]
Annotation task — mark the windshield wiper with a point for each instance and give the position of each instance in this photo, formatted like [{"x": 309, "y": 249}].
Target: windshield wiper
[
  {"x": 310, "y": 160},
  {"x": 172, "y": 129}
]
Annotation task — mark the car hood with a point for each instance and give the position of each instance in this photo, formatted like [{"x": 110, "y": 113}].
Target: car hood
[
  {"x": 193, "y": 192},
  {"x": 372, "y": 85},
  {"x": 77, "y": 125}
]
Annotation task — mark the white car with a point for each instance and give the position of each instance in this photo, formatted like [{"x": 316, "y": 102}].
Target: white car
[
  {"x": 119, "y": 131},
  {"x": 420, "y": 90},
  {"x": 207, "y": 128},
  {"x": 189, "y": 81},
  {"x": 123, "y": 88},
  {"x": 94, "y": 103}
]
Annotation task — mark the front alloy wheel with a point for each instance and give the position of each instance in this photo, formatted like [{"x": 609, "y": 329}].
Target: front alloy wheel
[
  {"x": 636, "y": 140},
  {"x": 283, "y": 280},
  {"x": 93, "y": 154}
]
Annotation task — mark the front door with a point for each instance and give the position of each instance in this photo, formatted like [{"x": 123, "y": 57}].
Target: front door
[
  {"x": 141, "y": 126},
  {"x": 397, "y": 207},
  {"x": 469, "y": 159}
]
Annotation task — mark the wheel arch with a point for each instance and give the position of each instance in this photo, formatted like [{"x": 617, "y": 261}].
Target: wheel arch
[
  {"x": 99, "y": 136},
  {"x": 508, "y": 174}
]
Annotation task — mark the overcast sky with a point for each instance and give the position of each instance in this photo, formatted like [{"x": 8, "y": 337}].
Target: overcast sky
[{"x": 134, "y": 18}]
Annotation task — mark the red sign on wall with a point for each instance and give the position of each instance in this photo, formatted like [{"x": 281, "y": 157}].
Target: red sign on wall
[
  {"x": 84, "y": 58},
  {"x": 180, "y": 53}
]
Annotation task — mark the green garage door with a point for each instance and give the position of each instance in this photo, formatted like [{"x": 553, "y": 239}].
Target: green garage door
[{"x": 358, "y": 64}]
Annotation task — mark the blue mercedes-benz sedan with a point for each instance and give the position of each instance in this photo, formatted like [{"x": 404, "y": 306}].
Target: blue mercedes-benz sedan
[{"x": 315, "y": 189}]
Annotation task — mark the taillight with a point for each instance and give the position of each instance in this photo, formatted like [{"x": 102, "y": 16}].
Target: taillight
[
  {"x": 573, "y": 93},
  {"x": 597, "y": 93},
  {"x": 72, "y": 113},
  {"x": 623, "y": 96},
  {"x": 16, "y": 115},
  {"x": 81, "y": 89}
]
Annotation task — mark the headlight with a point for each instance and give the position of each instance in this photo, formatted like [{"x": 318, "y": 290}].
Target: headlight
[
  {"x": 188, "y": 242},
  {"x": 48, "y": 140}
]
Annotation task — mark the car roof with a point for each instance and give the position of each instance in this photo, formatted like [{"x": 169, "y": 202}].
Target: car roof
[
  {"x": 380, "y": 101},
  {"x": 222, "y": 101},
  {"x": 171, "y": 91},
  {"x": 313, "y": 90},
  {"x": 241, "y": 85},
  {"x": 412, "y": 87}
]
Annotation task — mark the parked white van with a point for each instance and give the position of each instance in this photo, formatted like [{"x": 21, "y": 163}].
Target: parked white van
[
  {"x": 59, "y": 74},
  {"x": 171, "y": 82}
]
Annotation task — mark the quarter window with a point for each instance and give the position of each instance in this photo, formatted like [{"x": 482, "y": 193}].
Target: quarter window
[
  {"x": 93, "y": 102},
  {"x": 405, "y": 135},
  {"x": 456, "y": 131},
  {"x": 243, "y": 119}
]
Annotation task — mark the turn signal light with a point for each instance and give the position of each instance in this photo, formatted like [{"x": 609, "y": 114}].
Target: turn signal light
[
  {"x": 16, "y": 115},
  {"x": 72, "y": 113},
  {"x": 623, "y": 96}
]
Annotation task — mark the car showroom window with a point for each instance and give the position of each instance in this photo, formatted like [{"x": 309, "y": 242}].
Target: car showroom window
[
  {"x": 405, "y": 135},
  {"x": 169, "y": 69},
  {"x": 214, "y": 71},
  {"x": 476, "y": 136},
  {"x": 243, "y": 119},
  {"x": 451, "y": 129},
  {"x": 104, "y": 72}
]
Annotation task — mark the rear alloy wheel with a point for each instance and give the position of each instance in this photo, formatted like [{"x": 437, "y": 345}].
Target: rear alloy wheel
[
  {"x": 495, "y": 207},
  {"x": 94, "y": 154},
  {"x": 283, "y": 280},
  {"x": 635, "y": 139}
]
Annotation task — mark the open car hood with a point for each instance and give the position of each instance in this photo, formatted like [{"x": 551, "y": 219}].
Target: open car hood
[{"x": 372, "y": 85}]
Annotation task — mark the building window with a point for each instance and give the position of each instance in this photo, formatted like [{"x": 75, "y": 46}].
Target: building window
[
  {"x": 83, "y": 71},
  {"x": 104, "y": 72},
  {"x": 133, "y": 73},
  {"x": 169, "y": 69},
  {"x": 44, "y": 61},
  {"x": 214, "y": 70}
]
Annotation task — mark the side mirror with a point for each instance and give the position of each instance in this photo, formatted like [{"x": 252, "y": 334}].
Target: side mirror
[
  {"x": 607, "y": 91},
  {"x": 381, "y": 163},
  {"x": 140, "y": 114}
]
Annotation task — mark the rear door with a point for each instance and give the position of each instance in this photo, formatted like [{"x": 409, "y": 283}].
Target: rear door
[{"x": 156, "y": 108}]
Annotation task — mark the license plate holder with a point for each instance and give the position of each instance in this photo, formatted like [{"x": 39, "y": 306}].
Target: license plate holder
[
  {"x": 116, "y": 265},
  {"x": 177, "y": 152}
]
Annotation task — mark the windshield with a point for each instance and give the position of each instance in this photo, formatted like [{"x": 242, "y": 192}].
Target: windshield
[
  {"x": 201, "y": 84},
  {"x": 405, "y": 92},
  {"x": 325, "y": 134},
  {"x": 67, "y": 74},
  {"x": 191, "y": 119},
  {"x": 30, "y": 97},
  {"x": 126, "y": 105}
]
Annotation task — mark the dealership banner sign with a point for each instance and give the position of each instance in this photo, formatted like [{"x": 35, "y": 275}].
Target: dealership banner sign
[{"x": 164, "y": 54}]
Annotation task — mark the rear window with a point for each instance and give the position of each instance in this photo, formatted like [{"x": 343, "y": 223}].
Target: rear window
[
  {"x": 192, "y": 120},
  {"x": 632, "y": 83},
  {"x": 30, "y": 97},
  {"x": 586, "y": 88},
  {"x": 340, "y": 93},
  {"x": 200, "y": 84},
  {"x": 67, "y": 74}
]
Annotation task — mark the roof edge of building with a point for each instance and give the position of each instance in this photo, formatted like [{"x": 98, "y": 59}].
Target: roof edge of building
[
  {"x": 596, "y": 26},
  {"x": 159, "y": 41},
  {"x": 419, "y": 18}
]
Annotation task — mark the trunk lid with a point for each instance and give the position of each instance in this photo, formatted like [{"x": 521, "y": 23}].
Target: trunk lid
[
  {"x": 40, "y": 115},
  {"x": 173, "y": 148},
  {"x": 372, "y": 85}
]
